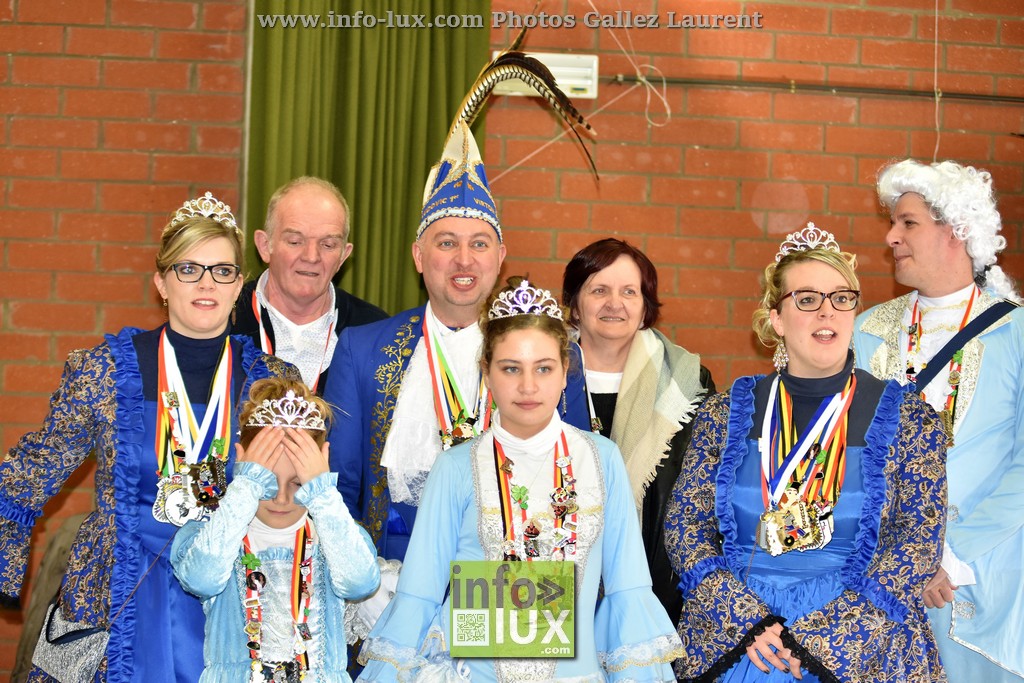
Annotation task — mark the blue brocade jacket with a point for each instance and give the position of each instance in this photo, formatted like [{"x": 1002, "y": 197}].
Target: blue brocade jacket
[
  {"x": 97, "y": 408},
  {"x": 879, "y": 620}
]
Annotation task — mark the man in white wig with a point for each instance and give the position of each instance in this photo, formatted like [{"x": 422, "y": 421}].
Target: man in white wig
[{"x": 959, "y": 337}]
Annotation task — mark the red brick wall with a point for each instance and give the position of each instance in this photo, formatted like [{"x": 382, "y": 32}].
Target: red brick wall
[
  {"x": 710, "y": 195},
  {"x": 112, "y": 113}
]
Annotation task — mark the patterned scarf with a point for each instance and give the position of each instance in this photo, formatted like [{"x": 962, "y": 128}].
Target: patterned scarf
[{"x": 660, "y": 390}]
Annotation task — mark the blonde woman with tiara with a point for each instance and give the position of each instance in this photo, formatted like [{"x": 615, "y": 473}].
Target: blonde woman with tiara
[
  {"x": 811, "y": 507},
  {"x": 158, "y": 409}
]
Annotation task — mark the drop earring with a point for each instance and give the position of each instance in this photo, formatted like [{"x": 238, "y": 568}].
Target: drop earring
[{"x": 781, "y": 358}]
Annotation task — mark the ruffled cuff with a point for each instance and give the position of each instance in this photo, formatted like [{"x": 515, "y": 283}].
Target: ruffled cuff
[
  {"x": 635, "y": 638},
  {"x": 18, "y": 514},
  {"x": 434, "y": 663},
  {"x": 328, "y": 481},
  {"x": 262, "y": 481},
  {"x": 689, "y": 581},
  {"x": 362, "y": 615},
  {"x": 960, "y": 573},
  {"x": 406, "y": 622}
]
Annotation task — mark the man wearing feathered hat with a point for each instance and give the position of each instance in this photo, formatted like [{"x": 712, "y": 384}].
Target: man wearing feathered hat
[
  {"x": 409, "y": 387},
  {"x": 959, "y": 338}
]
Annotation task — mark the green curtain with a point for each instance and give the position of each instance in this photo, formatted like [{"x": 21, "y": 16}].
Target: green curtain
[{"x": 366, "y": 108}]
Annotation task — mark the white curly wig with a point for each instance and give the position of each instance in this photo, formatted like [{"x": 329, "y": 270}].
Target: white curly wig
[{"x": 962, "y": 198}]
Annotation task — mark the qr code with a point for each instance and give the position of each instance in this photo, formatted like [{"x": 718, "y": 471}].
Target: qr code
[{"x": 471, "y": 627}]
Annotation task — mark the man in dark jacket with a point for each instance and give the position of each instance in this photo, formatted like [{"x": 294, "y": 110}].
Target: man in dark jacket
[{"x": 293, "y": 310}]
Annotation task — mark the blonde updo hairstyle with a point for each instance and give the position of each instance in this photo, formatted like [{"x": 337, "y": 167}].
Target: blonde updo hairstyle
[
  {"x": 495, "y": 330},
  {"x": 775, "y": 280},
  {"x": 273, "y": 388},
  {"x": 180, "y": 237}
]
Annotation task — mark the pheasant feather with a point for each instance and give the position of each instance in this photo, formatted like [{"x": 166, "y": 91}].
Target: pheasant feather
[{"x": 513, "y": 64}]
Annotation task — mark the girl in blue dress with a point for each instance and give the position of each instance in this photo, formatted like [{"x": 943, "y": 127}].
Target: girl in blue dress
[
  {"x": 530, "y": 489},
  {"x": 811, "y": 507},
  {"x": 277, "y": 560}
]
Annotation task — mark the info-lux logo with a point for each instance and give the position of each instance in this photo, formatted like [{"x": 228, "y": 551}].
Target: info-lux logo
[{"x": 513, "y": 609}]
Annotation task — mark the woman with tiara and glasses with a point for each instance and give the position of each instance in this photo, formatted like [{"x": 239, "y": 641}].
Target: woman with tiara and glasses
[
  {"x": 159, "y": 411},
  {"x": 811, "y": 507},
  {"x": 530, "y": 493}
]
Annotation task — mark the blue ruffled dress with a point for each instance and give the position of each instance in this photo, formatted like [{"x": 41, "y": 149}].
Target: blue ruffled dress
[
  {"x": 851, "y": 610},
  {"x": 628, "y": 637},
  {"x": 795, "y": 584}
]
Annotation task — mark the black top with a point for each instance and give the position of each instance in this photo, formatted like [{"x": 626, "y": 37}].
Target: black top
[
  {"x": 352, "y": 311},
  {"x": 808, "y": 392},
  {"x": 604, "y": 410},
  {"x": 197, "y": 362},
  {"x": 665, "y": 582}
]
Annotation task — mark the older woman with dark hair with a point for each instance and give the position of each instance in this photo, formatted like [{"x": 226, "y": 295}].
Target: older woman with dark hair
[
  {"x": 158, "y": 410},
  {"x": 642, "y": 389}
]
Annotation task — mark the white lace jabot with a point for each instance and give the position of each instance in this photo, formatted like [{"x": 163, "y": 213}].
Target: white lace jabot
[
  {"x": 537, "y": 447},
  {"x": 413, "y": 442},
  {"x": 304, "y": 346}
]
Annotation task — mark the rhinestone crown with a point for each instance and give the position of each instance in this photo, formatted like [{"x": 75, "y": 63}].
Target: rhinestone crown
[
  {"x": 811, "y": 237},
  {"x": 206, "y": 206},
  {"x": 288, "y": 411},
  {"x": 525, "y": 300}
]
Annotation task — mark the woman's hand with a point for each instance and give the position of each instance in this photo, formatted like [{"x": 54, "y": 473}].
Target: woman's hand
[
  {"x": 938, "y": 592},
  {"x": 264, "y": 449},
  {"x": 761, "y": 653},
  {"x": 309, "y": 460}
]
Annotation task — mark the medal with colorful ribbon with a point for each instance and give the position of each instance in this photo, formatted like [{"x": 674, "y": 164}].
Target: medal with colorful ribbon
[
  {"x": 301, "y": 595},
  {"x": 801, "y": 476},
  {"x": 564, "y": 508},
  {"x": 190, "y": 456},
  {"x": 914, "y": 333},
  {"x": 458, "y": 420}
]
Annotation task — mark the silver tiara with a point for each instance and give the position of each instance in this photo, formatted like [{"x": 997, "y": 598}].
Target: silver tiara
[
  {"x": 288, "y": 411},
  {"x": 811, "y": 237},
  {"x": 206, "y": 206},
  {"x": 525, "y": 300}
]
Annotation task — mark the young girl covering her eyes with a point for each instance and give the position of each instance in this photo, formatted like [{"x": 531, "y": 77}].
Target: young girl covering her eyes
[{"x": 276, "y": 562}]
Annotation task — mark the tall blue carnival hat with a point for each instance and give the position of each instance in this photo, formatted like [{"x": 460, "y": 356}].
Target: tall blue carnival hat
[{"x": 457, "y": 184}]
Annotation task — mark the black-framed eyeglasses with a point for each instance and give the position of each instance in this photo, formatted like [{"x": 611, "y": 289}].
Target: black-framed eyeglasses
[
  {"x": 810, "y": 300},
  {"x": 222, "y": 273}
]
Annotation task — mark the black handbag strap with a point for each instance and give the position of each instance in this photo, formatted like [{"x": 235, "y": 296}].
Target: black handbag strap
[
  {"x": 72, "y": 636},
  {"x": 969, "y": 332}
]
